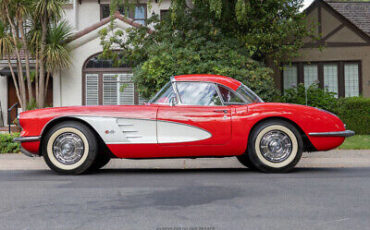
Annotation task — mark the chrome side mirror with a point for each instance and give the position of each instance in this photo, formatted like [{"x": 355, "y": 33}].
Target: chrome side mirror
[{"x": 173, "y": 101}]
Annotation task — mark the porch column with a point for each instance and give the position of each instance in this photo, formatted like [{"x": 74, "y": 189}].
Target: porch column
[{"x": 4, "y": 98}]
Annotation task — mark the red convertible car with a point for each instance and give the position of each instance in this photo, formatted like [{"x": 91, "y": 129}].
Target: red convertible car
[{"x": 191, "y": 116}]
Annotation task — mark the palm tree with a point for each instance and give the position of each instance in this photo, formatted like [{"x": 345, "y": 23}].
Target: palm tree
[
  {"x": 46, "y": 12},
  {"x": 57, "y": 53}
]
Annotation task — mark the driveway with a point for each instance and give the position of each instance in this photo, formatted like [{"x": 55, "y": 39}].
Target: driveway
[{"x": 328, "y": 190}]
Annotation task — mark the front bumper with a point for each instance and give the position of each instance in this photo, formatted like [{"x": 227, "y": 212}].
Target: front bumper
[
  {"x": 27, "y": 139},
  {"x": 26, "y": 153},
  {"x": 346, "y": 133}
]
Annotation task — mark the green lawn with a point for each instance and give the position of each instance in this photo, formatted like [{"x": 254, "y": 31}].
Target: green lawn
[{"x": 356, "y": 142}]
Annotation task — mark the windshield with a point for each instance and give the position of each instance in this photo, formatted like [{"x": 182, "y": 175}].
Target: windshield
[
  {"x": 248, "y": 95},
  {"x": 229, "y": 98},
  {"x": 164, "y": 95}
]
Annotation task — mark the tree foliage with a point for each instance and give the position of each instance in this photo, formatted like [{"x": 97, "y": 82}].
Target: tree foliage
[
  {"x": 186, "y": 46},
  {"x": 271, "y": 28},
  {"x": 227, "y": 37}
]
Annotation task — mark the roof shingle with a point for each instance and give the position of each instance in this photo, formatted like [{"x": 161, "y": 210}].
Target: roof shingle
[{"x": 356, "y": 12}]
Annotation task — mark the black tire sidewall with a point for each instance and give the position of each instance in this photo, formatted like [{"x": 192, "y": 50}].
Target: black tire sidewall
[
  {"x": 101, "y": 160},
  {"x": 252, "y": 154},
  {"x": 91, "y": 154}
]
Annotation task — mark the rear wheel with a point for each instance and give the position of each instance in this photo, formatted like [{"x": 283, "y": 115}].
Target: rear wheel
[
  {"x": 275, "y": 146},
  {"x": 70, "y": 148},
  {"x": 244, "y": 160}
]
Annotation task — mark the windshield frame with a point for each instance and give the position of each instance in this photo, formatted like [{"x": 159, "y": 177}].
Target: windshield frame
[{"x": 241, "y": 92}]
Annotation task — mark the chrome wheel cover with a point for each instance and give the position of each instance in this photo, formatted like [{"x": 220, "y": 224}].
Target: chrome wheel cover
[
  {"x": 276, "y": 146},
  {"x": 68, "y": 148}
]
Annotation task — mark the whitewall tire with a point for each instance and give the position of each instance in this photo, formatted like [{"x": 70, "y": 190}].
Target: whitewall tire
[
  {"x": 275, "y": 146},
  {"x": 69, "y": 148}
]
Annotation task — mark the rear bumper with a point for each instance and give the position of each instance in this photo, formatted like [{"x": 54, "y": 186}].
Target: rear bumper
[
  {"x": 26, "y": 139},
  {"x": 346, "y": 133}
]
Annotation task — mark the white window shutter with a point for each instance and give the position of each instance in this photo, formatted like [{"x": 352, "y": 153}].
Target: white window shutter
[
  {"x": 127, "y": 94},
  {"x": 110, "y": 89},
  {"x": 92, "y": 90}
]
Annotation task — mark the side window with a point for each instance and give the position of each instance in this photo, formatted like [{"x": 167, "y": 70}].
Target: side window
[
  {"x": 198, "y": 93},
  {"x": 229, "y": 97}
]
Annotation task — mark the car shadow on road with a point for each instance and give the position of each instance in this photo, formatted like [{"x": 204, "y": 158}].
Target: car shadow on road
[{"x": 229, "y": 171}]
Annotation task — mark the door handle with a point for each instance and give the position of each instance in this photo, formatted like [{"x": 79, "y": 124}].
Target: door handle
[{"x": 220, "y": 111}]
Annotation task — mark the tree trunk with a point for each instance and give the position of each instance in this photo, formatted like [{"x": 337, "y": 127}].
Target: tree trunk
[
  {"x": 41, "y": 99},
  {"x": 21, "y": 103},
  {"x": 37, "y": 72},
  {"x": 26, "y": 54},
  {"x": 46, "y": 84},
  {"x": 22, "y": 87}
]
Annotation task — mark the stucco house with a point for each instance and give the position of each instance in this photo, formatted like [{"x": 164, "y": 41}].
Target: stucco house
[
  {"x": 88, "y": 81},
  {"x": 340, "y": 60},
  {"x": 343, "y": 65}
]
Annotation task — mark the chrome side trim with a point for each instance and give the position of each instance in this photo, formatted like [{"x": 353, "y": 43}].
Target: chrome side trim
[
  {"x": 346, "y": 133},
  {"x": 27, "y": 139},
  {"x": 26, "y": 153}
]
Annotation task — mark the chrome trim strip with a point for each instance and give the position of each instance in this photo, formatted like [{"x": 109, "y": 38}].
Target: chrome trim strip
[
  {"x": 346, "y": 133},
  {"x": 27, "y": 139},
  {"x": 174, "y": 87},
  {"x": 26, "y": 153}
]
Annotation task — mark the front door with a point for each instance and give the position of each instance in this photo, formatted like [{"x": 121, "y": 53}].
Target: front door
[
  {"x": 199, "y": 118},
  {"x": 193, "y": 125}
]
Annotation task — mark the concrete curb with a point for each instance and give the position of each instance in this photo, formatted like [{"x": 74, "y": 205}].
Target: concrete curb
[{"x": 334, "y": 158}]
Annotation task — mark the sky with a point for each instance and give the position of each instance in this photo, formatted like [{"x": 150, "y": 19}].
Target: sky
[{"x": 306, "y": 3}]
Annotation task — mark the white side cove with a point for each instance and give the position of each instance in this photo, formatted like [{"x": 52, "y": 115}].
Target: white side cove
[
  {"x": 143, "y": 131},
  {"x": 173, "y": 132}
]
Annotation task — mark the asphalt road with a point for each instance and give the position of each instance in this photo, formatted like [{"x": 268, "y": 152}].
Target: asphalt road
[{"x": 152, "y": 197}]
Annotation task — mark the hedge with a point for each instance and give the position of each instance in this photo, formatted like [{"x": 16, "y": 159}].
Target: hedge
[
  {"x": 7, "y": 145},
  {"x": 355, "y": 113}
]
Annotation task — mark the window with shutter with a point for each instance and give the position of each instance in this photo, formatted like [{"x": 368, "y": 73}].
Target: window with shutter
[
  {"x": 92, "y": 89},
  {"x": 118, "y": 89}
]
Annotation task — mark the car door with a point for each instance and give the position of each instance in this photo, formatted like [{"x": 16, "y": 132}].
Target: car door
[{"x": 198, "y": 118}]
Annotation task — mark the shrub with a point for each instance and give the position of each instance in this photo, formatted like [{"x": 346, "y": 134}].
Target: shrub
[
  {"x": 355, "y": 113},
  {"x": 316, "y": 97},
  {"x": 7, "y": 145}
]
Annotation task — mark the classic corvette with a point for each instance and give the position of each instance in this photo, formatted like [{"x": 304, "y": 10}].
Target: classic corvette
[{"x": 191, "y": 116}]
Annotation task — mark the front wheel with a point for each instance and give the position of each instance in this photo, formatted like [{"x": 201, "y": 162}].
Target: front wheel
[
  {"x": 275, "y": 146},
  {"x": 70, "y": 148},
  {"x": 101, "y": 160}
]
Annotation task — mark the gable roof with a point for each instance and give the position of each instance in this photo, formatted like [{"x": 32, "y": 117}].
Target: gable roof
[
  {"x": 104, "y": 21},
  {"x": 356, "y": 12}
]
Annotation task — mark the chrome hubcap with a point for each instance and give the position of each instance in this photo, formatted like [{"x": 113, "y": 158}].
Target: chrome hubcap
[
  {"x": 275, "y": 146},
  {"x": 68, "y": 148}
]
